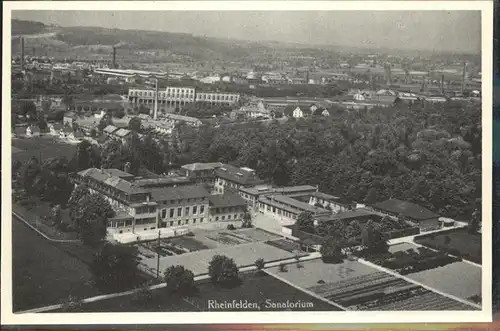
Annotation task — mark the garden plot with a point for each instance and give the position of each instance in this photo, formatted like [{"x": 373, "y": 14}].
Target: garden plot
[
  {"x": 243, "y": 255},
  {"x": 286, "y": 245},
  {"x": 254, "y": 234},
  {"x": 359, "y": 287}
]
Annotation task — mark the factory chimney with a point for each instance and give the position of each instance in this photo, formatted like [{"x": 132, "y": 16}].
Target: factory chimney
[
  {"x": 155, "y": 113},
  {"x": 464, "y": 73},
  {"x": 114, "y": 57},
  {"x": 442, "y": 84},
  {"x": 22, "y": 53}
]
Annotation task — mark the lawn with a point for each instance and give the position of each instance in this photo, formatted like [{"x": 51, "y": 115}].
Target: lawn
[
  {"x": 43, "y": 274},
  {"x": 46, "y": 147},
  {"x": 190, "y": 243},
  {"x": 460, "y": 279},
  {"x": 255, "y": 289},
  {"x": 461, "y": 243},
  {"x": 244, "y": 255}
]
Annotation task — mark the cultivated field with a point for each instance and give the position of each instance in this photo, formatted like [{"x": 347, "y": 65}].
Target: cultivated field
[
  {"x": 43, "y": 274},
  {"x": 255, "y": 289},
  {"x": 359, "y": 287}
]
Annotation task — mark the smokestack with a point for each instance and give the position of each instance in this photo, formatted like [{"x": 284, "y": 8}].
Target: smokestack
[
  {"x": 114, "y": 57},
  {"x": 442, "y": 84},
  {"x": 22, "y": 53},
  {"x": 464, "y": 73},
  {"x": 155, "y": 114}
]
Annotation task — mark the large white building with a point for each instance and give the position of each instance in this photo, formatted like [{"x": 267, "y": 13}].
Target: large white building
[{"x": 179, "y": 96}]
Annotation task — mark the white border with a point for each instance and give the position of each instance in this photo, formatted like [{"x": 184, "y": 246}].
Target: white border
[{"x": 485, "y": 315}]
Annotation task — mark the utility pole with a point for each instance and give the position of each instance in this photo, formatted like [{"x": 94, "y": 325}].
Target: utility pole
[{"x": 158, "y": 257}]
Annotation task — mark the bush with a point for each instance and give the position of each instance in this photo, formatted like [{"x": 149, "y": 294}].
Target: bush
[
  {"x": 283, "y": 267},
  {"x": 231, "y": 227}
]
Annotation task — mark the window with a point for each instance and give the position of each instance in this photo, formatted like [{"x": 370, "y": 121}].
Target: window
[
  {"x": 229, "y": 217},
  {"x": 171, "y": 212},
  {"x": 187, "y": 212},
  {"x": 178, "y": 222},
  {"x": 179, "y": 212},
  {"x": 201, "y": 220},
  {"x": 217, "y": 218},
  {"x": 171, "y": 223},
  {"x": 195, "y": 209},
  {"x": 202, "y": 209},
  {"x": 223, "y": 218},
  {"x": 194, "y": 220},
  {"x": 163, "y": 213}
]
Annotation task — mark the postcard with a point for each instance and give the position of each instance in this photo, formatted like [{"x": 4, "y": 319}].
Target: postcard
[{"x": 246, "y": 162}]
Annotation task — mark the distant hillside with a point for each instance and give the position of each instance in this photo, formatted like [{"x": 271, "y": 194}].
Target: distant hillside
[{"x": 27, "y": 27}]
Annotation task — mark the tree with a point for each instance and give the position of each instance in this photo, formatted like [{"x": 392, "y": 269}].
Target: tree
[
  {"x": 475, "y": 222},
  {"x": 180, "y": 281},
  {"x": 28, "y": 174},
  {"x": 86, "y": 156},
  {"x": 282, "y": 267},
  {"x": 331, "y": 250},
  {"x": 42, "y": 123},
  {"x": 75, "y": 198},
  {"x": 223, "y": 271},
  {"x": 259, "y": 263},
  {"x": 114, "y": 267},
  {"x": 72, "y": 304},
  {"x": 447, "y": 240},
  {"x": 91, "y": 218},
  {"x": 143, "y": 296},
  {"x": 135, "y": 124},
  {"x": 55, "y": 215},
  {"x": 104, "y": 122},
  {"x": 305, "y": 222},
  {"x": 247, "y": 220},
  {"x": 373, "y": 239}
]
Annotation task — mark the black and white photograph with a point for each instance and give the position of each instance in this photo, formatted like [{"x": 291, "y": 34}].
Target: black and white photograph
[{"x": 243, "y": 158}]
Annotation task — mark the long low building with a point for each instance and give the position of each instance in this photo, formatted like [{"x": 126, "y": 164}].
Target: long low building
[{"x": 287, "y": 209}]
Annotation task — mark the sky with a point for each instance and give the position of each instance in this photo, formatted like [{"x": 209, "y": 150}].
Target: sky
[{"x": 426, "y": 30}]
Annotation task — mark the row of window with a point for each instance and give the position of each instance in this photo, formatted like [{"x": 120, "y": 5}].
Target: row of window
[
  {"x": 277, "y": 211},
  {"x": 145, "y": 210},
  {"x": 217, "y": 97},
  {"x": 182, "y": 201},
  {"x": 226, "y": 210},
  {"x": 173, "y": 213}
]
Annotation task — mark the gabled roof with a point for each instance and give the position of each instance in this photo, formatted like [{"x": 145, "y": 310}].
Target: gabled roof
[
  {"x": 202, "y": 166},
  {"x": 110, "y": 129},
  {"x": 113, "y": 181},
  {"x": 122, "y": 132},
  {"x": 238, "y": 175},
  {"x": 228, "y": 199},
  {"x": 180, "y": 192},
  {"x": 408, "y": 209}
]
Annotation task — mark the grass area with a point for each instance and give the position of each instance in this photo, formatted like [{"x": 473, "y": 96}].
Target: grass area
[
  {"x": 48, "y": 147},
  {"x": 461, "y": 243},
  {"x": 460, "y": 279},
  {"x": 37, "y": 215},
  {"x": 255, "y": 288},
  {"x": 190, "y": 243},
  {"x": 43, "y": 274}
]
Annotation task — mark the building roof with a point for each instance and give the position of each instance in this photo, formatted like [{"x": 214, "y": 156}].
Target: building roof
[
  {"x": 110, "y": 129},
  {"x": 161, "y": 181},
  {"x": 238, "y": 175},
  {"x": 291, "y": 204},
  {"x": 176, "y": 117},
  {"x": 261, "y": 189},
  {"x": 202, "y": 166},
  {"x": 56, "y": 126},
  {"x": 113, "y": 181},
  {"x": 228, "y": 199},
  {"x": 180, "y": 192},
  {"x": 332, "y": 198},
  {"x": 408, "y": 209},
  {"x": 122, "y": 132},
  {"x": 360, "y": 212},
  {"x": 118, "y": 173}
]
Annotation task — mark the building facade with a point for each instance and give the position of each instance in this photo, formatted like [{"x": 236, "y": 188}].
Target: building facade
[{"x": 228, "y": 177}]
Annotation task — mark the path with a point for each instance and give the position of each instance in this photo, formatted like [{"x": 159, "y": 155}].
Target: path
[{"x": 163, "y": 285}]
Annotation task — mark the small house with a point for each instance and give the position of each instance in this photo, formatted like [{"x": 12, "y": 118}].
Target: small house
[{"x": 32, "y": 131}]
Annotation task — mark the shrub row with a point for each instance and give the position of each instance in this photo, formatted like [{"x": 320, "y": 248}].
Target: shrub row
[{"x": 412, "y": 261}]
